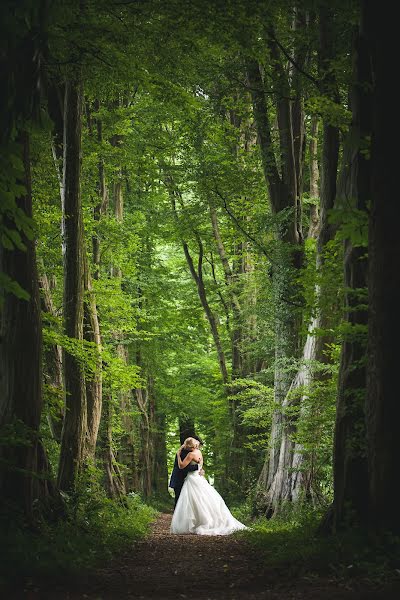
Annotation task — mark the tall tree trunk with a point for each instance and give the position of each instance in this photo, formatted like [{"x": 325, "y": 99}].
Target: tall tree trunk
[
  {"x": 283, "y": 195},
  {"x": 382, "y": 406},
  {"x": 91, "y": 333},
  {"x": 24, "y": 472},
  {"x": 186, "y": 428},
  {"x": 314, "y": 178},
  {"x": 114, "y": 482},
  {"x": 72, "y": 452},
  {"x": 292, "y": 481},
  {"x": 146, "y": 450},
  {"x": 350, "y": 465},
  {"x": 160, "y": 469},
  {"x": 53, "y": 364},
  {"x": 128, "y": 450},
  {"x": 197, "y": 275},
  {"x": 102, "y": 204}
]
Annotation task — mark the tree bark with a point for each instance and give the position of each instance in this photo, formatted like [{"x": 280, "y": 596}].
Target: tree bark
[
  {"x": 197, "y": 275},
  {"x": 350, "y": 466},
  {"x": 93, "y": 382},
  {"x": 72, "y": 452},
  {"x": 314, "y": 178},
  {"x": 283, "y": 193},
  {"x": 186, "y": 428},
  {"x": 102, "y": 205},
  {"x": 53, "y": 363},
  {"x": 24, "y": 471},
  {"x": 146, "y": 448},
  {"x": 114, "y": 482},
  {"x": 128, "y": 447},
  {"x": 160, "y": 470}
]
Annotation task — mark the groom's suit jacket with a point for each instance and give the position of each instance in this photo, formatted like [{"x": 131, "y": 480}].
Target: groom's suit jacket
[{"x": 178, "y": 475}]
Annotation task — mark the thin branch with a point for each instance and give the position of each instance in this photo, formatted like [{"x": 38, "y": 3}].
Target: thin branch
[
  {"x": 295, "y": 64},
  {"x": 221, "y": 297},
  {"x": 239, "y": 226}
]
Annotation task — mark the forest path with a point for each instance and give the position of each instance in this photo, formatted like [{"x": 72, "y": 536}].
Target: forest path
[{"x": 165, "y": 566}]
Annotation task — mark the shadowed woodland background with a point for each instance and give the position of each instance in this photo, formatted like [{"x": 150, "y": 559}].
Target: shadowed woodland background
[{"x": 199, "y": 232}]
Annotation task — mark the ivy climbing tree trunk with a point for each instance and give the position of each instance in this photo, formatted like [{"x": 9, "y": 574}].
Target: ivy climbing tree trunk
[{"x": 282, "y": 185}]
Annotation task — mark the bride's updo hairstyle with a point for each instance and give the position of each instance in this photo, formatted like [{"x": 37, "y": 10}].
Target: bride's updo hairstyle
[{"x": 190, "y": 443}]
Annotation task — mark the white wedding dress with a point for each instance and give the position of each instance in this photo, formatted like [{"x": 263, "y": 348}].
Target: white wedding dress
[{"x": 201, "y": 510}]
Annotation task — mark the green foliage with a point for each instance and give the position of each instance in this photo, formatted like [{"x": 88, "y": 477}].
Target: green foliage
[
  {"x": 92, "y": 531},
  {"x": 332, "y": 112},
  {"x": 292, "y": 544}
]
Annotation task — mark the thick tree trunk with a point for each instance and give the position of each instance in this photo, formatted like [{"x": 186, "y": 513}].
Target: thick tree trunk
[
  {"x": 73, "y": 442},
  {"x": 24, "y": 472},
  {"x": 186, "y": 428},
  {"x": 383, "y": 407},
  {"x": 283, "y": 195},
  {"x": 350, "y": 465}
]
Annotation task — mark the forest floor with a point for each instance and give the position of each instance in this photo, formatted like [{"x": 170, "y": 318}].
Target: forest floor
[{"x": 166, "y": 566}]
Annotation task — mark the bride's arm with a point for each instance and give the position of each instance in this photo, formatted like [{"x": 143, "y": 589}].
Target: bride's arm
[
  {"x": 184, "y": 463},
  {"x": 201, "y": 460}
]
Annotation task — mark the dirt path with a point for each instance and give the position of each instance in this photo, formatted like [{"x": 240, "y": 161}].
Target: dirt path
[{"x": 165, "y": 566}]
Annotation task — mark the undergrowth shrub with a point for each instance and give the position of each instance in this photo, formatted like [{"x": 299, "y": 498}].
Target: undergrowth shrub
[{"x": 93, "y": 528}]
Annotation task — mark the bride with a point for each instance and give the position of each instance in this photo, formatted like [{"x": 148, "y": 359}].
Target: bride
[{"x": 200, "y": 509}]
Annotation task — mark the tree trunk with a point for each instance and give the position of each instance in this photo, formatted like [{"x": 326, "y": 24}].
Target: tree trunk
[
  {"x": 283, "y": 195},
  {"x": 114, "y": 483},
  {"x": 382, "y": 406},
  {"x": 160, "y": 469},
  {"x": 72, "y": 452},
  {"x": 314, "y": 178},
  {"x": 186, "y": 428},
  {"x": 24, "y": 472},
  {"x": 197, "y": 275},
  {"x": 128, "y": 451},
  {"x": 91, "y": 333},
  {"x": 53, "y": 364},
  {"x": 350, "y": 466},
  {"x": 146, "y": 449},
  {"x": 102, "y": 205}
]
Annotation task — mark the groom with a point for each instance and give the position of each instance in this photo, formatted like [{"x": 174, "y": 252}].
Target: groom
[{"x": 178, "y": 475}]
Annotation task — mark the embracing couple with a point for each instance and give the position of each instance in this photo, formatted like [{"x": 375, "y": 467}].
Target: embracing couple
[{"x": 199, "y": 509}]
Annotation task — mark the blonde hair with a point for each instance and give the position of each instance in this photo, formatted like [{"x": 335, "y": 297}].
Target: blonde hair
[{"x": 190, "y": 443}]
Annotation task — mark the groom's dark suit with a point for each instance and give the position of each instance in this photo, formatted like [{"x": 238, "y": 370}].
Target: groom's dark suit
[{"x": 178, "y": 475}]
